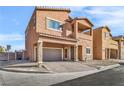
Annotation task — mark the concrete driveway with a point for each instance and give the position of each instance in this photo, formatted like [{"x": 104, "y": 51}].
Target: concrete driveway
[
  {"x": 35, "y": 79},
  {"x": 66, "y": 71}
]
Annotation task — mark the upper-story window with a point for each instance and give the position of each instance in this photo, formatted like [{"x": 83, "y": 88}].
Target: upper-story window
[
  {"x": 53, "y": 24},
  {"x": 106, "y": 34}
]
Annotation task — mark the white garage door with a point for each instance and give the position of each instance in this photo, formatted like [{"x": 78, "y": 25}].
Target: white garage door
[{"x": 51, "y": 54}]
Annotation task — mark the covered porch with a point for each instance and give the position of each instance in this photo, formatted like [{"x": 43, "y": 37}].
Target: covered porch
[
  {"x": 111, "y": 53},
  {"x": 51, "y": 50}
]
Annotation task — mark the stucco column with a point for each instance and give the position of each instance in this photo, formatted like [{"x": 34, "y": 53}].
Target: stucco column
[
  {"x": 76, "y": 52},
  {"x": 69, "y": 53},
  {"x": 75, "y": 29},
  {"x": 109, "y": 53},
  {"x": 118, "y": 57},
  {"x": 106, "y": 55},
  {"x": 40, "y": 53}
]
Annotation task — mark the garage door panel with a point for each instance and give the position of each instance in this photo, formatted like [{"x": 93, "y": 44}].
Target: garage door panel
[{"x": 52, "y": 54}]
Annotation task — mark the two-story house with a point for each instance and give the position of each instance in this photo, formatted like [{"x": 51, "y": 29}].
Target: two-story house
[
  {"x": 120, "y": 39},
  {"x": 104, "y": 47},
  {"x": 52, "y": 35}
]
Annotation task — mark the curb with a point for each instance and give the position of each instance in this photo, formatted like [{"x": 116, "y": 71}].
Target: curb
[{"x": 21, "y": 71}]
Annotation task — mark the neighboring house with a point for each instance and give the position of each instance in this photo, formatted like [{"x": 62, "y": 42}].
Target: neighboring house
[
  {"x": 104, "y": 47},
  {"x": 52, "y": 35},
  {"x": 120, "y": 39}
]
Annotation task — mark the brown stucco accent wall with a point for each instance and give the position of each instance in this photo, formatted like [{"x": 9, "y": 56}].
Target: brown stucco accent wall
[
  {"x": 97, "y": 44},
  {"x": 31, "y": 37}
]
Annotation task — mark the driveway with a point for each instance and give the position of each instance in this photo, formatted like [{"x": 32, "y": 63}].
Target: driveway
[{"x": 39, "y": 79}]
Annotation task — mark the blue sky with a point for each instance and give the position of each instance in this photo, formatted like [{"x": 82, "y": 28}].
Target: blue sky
[{"x": 14, "y": 20}]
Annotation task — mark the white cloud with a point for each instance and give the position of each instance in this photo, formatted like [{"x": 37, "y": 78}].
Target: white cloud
[
  {"x": 112, "y": 16},
  {"x": 11, "y": 37}
]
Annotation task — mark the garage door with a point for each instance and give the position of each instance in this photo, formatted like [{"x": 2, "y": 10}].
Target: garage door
[{"x": 52, "y": 54}]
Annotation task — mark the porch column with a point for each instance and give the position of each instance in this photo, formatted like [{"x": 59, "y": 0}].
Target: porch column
[
  {"x": 118, "y": 54},
  {"x": 69, "y": 53},
  {"x": 40, "y": 53},
  {"x": 109, "y": 54},
  {"x": 76, "y": 52}
]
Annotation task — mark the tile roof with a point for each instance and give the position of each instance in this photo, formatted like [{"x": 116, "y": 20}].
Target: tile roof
[{"x": 53, "y": 8}]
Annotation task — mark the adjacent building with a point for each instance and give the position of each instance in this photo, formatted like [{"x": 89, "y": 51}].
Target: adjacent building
[
  {"x": 120, "y": 39},
  {"x": 104, "y": 47},
  {"x": 52, "y": 35}
]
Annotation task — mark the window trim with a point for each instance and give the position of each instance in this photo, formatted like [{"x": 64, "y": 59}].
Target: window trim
[
  {"x": 86, "y": 51},
  {"x": 48, "y": 18}
]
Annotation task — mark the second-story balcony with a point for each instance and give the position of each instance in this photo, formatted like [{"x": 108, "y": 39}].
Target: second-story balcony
[
  {"x": 113, "y": 44},
  {"x": 84, "y": 31},
  {"x": 84, "y": 36}
]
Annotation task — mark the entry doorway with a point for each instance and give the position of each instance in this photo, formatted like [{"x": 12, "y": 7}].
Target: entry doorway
[{"x": 80, "y": 53}]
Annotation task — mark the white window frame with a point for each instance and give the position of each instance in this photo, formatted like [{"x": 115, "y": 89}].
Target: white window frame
[
  {"x": 86, "y": 51},
  {"x": 48, "y": 18}
]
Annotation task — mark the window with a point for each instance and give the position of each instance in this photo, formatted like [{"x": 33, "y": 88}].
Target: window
[
  {"x": 123, "y": 42},
  {"x": 53, "y": 24},
  {"x": 106, "y": 34},
  {"x": 88, "y": 50}
]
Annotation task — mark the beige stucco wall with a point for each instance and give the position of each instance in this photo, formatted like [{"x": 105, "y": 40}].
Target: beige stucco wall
[
  {"x": 41, "y": 20},
  {"x": 101, "y": 43},
  {"x": 33, "y": 34},
  {"x": 86, "y": 43}
]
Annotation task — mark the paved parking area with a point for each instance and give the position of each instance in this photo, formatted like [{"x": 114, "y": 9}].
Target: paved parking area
[
  {"x": 65, "y": 71},
  {"x": 64, "y": 67}
]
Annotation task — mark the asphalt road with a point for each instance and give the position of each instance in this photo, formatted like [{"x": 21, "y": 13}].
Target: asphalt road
[{"x": 112, "y": 77}]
